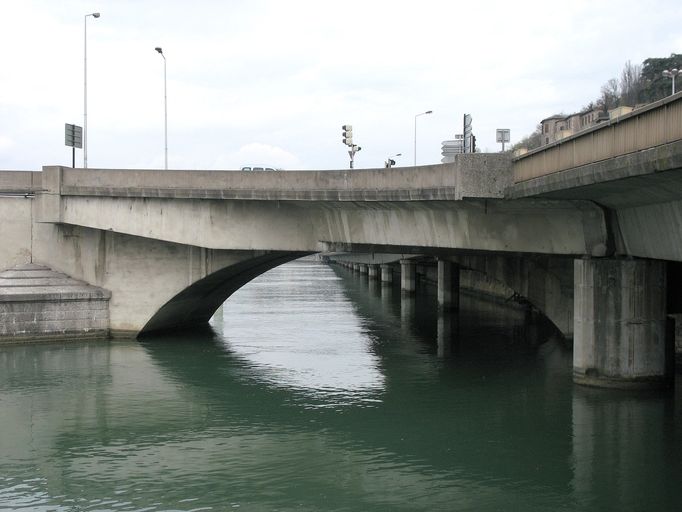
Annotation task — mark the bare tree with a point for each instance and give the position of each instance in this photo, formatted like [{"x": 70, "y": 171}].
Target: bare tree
[
  {"x": 609, "y": 95},
  {"x": 631, "y": 84}
]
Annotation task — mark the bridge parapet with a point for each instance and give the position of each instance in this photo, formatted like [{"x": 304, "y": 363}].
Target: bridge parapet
[
  {"x": 476, "y": 175},
  {"x": 20, "y": 182},
  {"x": 655, "y": 125}
]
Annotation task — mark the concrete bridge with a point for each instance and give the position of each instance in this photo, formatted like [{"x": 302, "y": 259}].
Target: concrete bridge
[{"x": 588, "y": 226}]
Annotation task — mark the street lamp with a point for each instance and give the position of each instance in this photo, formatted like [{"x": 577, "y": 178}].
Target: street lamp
[
  {"x": 85, "y": 89},
  {"x": 390, "y": 162},
  {"x": 672, "y": 73},
  {"x": 165, "y": 107},
  {"x": 415, "y": 133}
]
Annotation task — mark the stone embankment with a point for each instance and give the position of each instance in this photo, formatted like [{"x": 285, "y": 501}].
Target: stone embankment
[{"x": 39, "y": 304}]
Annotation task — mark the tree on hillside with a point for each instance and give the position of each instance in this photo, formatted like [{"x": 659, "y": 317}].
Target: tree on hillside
[
  {"x": 532, "y": 141},
  {"x": 656, "y": 86},
  {"x": 610, "y": 95},
  {"x": 631, "y": 84},
  {"x": 637, "y": 85}
]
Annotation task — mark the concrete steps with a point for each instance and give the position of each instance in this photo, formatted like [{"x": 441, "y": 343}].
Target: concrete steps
[{"x": 39, "y": 304}]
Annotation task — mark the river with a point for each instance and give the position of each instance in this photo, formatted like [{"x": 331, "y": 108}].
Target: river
[{"x": 314, "y": 390}]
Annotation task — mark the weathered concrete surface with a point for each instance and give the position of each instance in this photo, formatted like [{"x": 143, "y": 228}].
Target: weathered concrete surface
[
  {"x": 373, "y": 271},
  {"x": 621, "y": 337},
  {"x": 16, "y": 215},
  {"x": 448, "y": 285},
  {"x": 386, "y": 274},
  {"x": 600, "y": 176},
  {"x": 15, "y": 230},
  {"x": 471, "y": 175},
  {"x": 642, "y": 192},
  {"x": 154, "y": 285},
  {"x": 20, "y": 182},
  {"x": 677, "y": 318},
  {"x": 651, "y": 231},
  {"x": 408, "y": 277},
  {"x": 575, "y": 228},
  {"x": 543, "y": 282},
  {"x": 37, "y": 303},
  {"x": 368, "y": 207}
]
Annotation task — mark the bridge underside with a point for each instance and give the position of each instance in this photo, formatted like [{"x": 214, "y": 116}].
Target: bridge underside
[
  {"x": 529, "y": 226},
  {"x": 154, "y": 285},
  {"x": 196, "y": 304},
  {"x": 641, "y": 193}
]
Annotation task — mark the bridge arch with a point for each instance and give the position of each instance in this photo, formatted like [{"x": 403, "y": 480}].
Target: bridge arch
[
  {"x": 197, "y": 303},
  {"x": 543, "y": 283}
]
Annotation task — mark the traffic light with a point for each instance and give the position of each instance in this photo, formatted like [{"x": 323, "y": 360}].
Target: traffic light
[{"x": 347, "y": 134}]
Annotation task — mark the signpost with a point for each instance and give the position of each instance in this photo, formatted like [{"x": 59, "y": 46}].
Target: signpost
[
  {"x": 73, "y": 137},
  {"x": 503, "y": 135}
]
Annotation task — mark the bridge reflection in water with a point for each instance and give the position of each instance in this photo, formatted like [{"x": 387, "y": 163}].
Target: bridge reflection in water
[{"x": 319, "y": 390}]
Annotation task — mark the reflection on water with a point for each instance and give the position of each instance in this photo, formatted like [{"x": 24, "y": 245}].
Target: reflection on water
[{"x": 318, "y": 390}]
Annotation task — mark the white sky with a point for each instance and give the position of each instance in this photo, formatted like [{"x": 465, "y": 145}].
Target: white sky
[{"x": 271, "y": 82}]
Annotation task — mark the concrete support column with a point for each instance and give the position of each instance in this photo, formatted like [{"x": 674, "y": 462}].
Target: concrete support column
[
  {"x": 386, "y": 274},
  {"x": 407, "y": 311},
  {"x": 408, "y": 276},
  {"x": 362, "y": 268},
  {"x": 621, "y": 338},
  {"x": 447, "y": 331},
  {"x": 448, "y": 285},
  {"x": 356, "y": 267},
  {"x": 373, "y": 271}
]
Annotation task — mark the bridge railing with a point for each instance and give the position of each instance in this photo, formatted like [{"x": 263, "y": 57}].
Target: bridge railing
[{"x": 654, "y": 125}]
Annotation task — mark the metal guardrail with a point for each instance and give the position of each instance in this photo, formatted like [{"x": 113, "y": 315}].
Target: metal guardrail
[{"x": 654, "y": 125}]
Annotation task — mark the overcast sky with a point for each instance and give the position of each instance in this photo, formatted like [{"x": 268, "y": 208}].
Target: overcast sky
[{"x": 271, "y": 82}]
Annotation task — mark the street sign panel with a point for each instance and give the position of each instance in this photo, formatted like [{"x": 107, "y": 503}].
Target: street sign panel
[
  {"x": 73, "y": 135},
  {"x": 503, "y": 135},
  {"x": 468, "y": 134}
]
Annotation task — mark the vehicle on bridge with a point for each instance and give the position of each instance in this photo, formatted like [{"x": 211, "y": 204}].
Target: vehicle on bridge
[{"x": 249, "y": 168}]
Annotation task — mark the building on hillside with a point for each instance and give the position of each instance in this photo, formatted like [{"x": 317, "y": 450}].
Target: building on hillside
[{"x": 560, "y": 126}]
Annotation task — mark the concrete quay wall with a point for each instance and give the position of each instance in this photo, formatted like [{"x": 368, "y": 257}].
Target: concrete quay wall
[{"x": 38, "y": 304}]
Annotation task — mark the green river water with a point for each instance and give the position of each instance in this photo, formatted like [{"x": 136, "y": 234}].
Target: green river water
[{"x": 314, "y": 390}]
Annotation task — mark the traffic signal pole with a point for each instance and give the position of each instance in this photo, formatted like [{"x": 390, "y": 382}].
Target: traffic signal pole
[{"x": 348, "y": 141}]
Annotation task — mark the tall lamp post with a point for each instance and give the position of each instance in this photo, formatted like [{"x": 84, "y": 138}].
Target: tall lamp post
[
  {"x": 165, "y": 108},
  {"x": 415, "y": 133},
  {"x": 85, "y": 88},
  {"x": 672, "y": 73}
]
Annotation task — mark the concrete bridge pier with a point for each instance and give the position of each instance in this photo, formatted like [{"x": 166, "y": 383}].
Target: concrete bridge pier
[
  {"x": 447, "y": 332},
  {"x": 362, "y": 268},
  {"x": 408, "y": 277},
  {"x": 621, "y": 337},
  {"x": 448, "y": 285},
  {"x": 386, "y": 274},
  {"x": 408, "y": 309},
  {"x": 373, "y": 271}
]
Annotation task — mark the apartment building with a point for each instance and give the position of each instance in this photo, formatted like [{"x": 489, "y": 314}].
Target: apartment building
[{"x": 560, "y": 126}]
